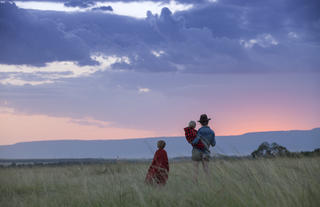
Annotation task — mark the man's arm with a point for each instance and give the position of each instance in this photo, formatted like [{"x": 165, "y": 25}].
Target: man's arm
[
  {"x": 196, "y": 140},
  {"x": 213, "y": 141}
]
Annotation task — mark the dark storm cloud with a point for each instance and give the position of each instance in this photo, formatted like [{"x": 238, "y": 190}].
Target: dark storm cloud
[
  {"x": 232, "y": 18},
  {"x": 27, "y": 38},
  {"x": 79, "y": 3},
  {"x": 254, "y": 36},
  {"x": 102, "y": 8}
]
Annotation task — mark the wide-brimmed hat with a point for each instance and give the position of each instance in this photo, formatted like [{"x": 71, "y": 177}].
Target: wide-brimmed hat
[{"x": 204, "y": 118}]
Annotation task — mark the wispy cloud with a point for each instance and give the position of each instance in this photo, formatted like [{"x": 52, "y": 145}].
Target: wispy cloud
[
  {"x": 264, "y": 40},
  {"x": 54, "y": 71},
  {"x": 144, "y": 90},
  {"x": 91, "y": 122}
]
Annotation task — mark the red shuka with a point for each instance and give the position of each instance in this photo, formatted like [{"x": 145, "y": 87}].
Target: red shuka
[
  {"x": 159, "y": 169},
  {"x": 191, "y": 134}
]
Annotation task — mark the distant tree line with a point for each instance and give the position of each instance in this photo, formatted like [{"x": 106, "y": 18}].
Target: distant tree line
[
  {"x": 64, "y": 162},
  {"x": 53, "y": 162},
  {"x": 264, "y": 150},
  {"x": 275, "y": 150}
]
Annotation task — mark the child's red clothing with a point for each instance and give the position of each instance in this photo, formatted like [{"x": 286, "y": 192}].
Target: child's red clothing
[
  {"x": 191, "y": 134},
  {"x": 158, "y": 171}
]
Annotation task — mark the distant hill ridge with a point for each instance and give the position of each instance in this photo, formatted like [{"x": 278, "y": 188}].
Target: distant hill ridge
[
  {"x": 282, "y": 131},
  {"x": 294, "y": 140}
]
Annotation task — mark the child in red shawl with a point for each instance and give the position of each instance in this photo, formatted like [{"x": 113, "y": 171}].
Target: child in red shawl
[{"x": 159, "y": 169}]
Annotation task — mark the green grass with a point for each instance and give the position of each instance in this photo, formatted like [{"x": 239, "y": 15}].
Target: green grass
[{"x": 266, "y": 182}]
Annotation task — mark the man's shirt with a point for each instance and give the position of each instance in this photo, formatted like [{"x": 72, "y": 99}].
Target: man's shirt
[{"x": 207, "y": 135}]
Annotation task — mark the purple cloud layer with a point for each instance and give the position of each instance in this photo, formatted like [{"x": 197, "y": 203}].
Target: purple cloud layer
[{"x": 221, "y": 37}]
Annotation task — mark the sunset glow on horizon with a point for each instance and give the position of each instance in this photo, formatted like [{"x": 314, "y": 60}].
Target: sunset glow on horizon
[
  {"x": 23, "y": 128},
  {"x": 19, "y": 127}
]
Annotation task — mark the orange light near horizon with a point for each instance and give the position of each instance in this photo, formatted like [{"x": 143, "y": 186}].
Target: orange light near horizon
[
  {"x": 21, "y": 128},
  {"x": 15, "y": 127},
  {"x": 262, "y": 118}
]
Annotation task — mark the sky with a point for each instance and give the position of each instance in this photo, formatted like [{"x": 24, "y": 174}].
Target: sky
[{"x": 86, "y": 69}]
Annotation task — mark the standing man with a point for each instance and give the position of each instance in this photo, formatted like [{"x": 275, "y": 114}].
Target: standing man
[{"x": 207, "y": 136}]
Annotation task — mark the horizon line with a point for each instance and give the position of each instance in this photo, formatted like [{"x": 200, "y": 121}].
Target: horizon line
[{"x": 155, "y": 137}]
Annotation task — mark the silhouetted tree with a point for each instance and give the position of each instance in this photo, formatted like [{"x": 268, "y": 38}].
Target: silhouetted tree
[
  {"x": 278, "y": 150},
  {"x": 265, "y": 149}
]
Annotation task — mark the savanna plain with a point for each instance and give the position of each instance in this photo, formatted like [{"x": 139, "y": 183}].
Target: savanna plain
[{"x": 241, "y": 182}]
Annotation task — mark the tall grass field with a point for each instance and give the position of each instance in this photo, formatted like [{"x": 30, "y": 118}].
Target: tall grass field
[{"x": 245, "y": 182}]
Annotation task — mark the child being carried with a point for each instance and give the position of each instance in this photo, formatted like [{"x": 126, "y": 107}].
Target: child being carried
[{"x": 191, "y": 134}]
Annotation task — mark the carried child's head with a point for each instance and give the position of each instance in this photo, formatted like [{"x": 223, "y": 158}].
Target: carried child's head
[
  {"x": 161, "y": 144},
  {"x": 192, "y": 124}
]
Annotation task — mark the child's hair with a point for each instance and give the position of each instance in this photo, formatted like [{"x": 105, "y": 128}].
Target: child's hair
[
  {"x": 192, "y": 124},
  {"x": 161, "y": 144}
]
